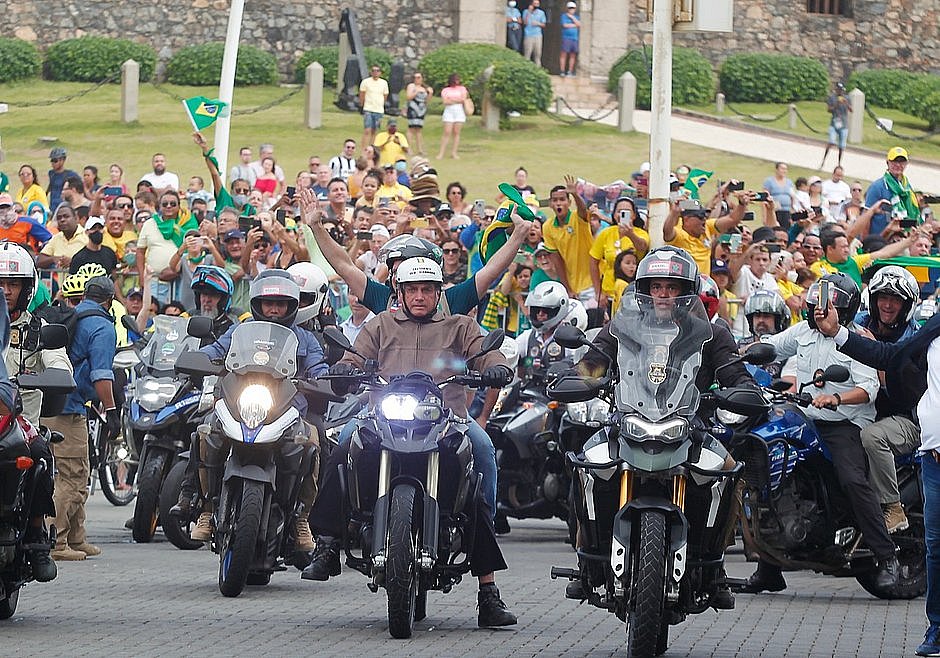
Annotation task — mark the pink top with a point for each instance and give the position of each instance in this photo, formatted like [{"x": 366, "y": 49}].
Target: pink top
[
  {"x": 453, "y": 94},
  {"x": 266, "y": 185}
]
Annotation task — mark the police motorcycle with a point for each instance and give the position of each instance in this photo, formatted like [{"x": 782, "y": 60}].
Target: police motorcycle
[
  {"x": 256, "y": 510},
  {"x": 162, "y": 411},
  {"x": 19, "y": 473},
  {"x": 410, "y": 487},
  {"x": 661, "y": 557},
  {"x": 795, "y": 514}
]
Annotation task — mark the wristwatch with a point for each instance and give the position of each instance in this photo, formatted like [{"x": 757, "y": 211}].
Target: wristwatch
[{"x": 838, "y": 399}]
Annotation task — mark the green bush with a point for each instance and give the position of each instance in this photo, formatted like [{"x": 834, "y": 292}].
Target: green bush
[
  {"x": 763, "y": 78},
  {"x": 693, "y": 81},
  {"x": 520, "y": 86},
  {"x": 202, "y": 66},
  {"x": 917, "y": 94},
  {"x": 328, "y": 56},
  {"x": 90, "y": 59},
  {"x": 932, "y": 112},
  {"x": 18, "y": 60},
  {"x": 882, "y": 87},
  {"x": 468, "y": 60}
]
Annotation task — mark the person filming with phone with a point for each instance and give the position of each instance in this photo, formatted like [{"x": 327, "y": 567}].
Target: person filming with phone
[
  {"x": 696, "y": 231},
  {"x": 626, "y": 233}
]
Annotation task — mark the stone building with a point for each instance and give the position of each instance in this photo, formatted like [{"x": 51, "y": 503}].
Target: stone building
[{"x": 845, "y": 34}]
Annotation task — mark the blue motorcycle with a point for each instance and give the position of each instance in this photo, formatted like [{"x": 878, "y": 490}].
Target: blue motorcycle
[{"x": 794, "y": 512}]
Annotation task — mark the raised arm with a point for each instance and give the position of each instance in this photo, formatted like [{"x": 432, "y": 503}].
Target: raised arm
[
  {"x": 334, "y": 253},
  {"x": 500, "y": 261}
]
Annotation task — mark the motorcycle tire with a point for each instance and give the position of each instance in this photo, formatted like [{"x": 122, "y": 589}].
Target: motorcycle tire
[
  {"x": 256, "y": 579},
  {"x": 644, "y": 619},
  {"x": 238, "y": 549},
  {"x": 8, "y": 604},
  {"x": 177, "y": 530},
  {"x": 111, "y": 469},
  {"x": 401, "y": 578},
  {"x": 147, "y": 509},
  {"x": 912, "y": 558}
]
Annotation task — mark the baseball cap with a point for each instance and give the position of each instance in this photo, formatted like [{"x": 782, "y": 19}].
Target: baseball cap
[
  {"x": 570, "y": 5},
  {"x": 392, "y": 121},
  {"x": 99, "y": 288},
  {"x": 813, "y": 180},
  {"x": 719, "y": 266},
  {"x": 388, "y": 165},
  {"x": 897, "y": 153},
  {"x": 190, "y": 232},
  {"x": 443, "y": 208},
  {"x": 378, "y": 229},
  {"x": 541, "y": 248},
  {"x": 644, "y": 167},
  {"x": 92, "y": 222},
  {"x": 231, "y": 235},
  {"x": 134, "y": 292},
  {"x": 6, "y": 199},
  {"x": 57, "y": 152}
]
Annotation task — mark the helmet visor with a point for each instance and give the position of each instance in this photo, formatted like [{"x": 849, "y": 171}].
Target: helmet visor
[{"x": 838, "y": 297}]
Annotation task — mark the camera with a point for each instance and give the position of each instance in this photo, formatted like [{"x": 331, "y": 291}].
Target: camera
[{"x": 736, "y": 186}]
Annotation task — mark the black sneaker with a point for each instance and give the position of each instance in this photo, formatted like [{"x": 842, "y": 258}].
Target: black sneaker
[
  {"x": 493, "y": 612},
  {"x": 325, "y": 561},
  {"x": 575, "y": 590},
  {"x": 182, "y": 509},
  {"x": 887, "y": 574},
  {"x": 44, "y": 568},
  {"x": 767, "y": 578}
]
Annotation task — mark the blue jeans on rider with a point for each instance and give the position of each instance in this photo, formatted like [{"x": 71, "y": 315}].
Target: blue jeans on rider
[
  {"x": 484, "y": 458},
  {"x": 930, "y": 474}
]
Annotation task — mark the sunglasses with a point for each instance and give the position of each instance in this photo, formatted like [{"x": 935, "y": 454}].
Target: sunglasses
[
  {"x": 143, "y": 218},
  {"x": 451, "y": 251},
  {"x": 856, "y": 189},
  {"x": 168, "y": 204},
  {"x": 56, "y": 159},
  {"x": 123, "y": 206}
]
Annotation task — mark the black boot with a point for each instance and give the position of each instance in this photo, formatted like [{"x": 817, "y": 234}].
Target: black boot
[
  {"x": 887, "y": 574},
  {"x": 767, "y": 578},
  {"x": 501, "y": 524},
  {"x": 722, "y": 599},
  {"x": 575, "y": 590},
  {"x": 493, "y": 612},
  {"x": 37, "y": 553},
  {"x": 325, "y": 562}
]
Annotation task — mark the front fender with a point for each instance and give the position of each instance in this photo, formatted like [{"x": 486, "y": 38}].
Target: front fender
[
  {"x": 266, "y": 474},
  {"x": 629, "y": 516}
]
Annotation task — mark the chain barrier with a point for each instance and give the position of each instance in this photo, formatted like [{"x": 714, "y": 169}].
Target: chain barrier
[
  {"x": 237, "y": 112},
  {"x": 68, "y": 97},
  {"x": 753, "y": 117},
  {"x": 911, "y": 138},
  {"x": 166, "y": 92},
  {"x": 596, "y": 114},
  {"x": 805, "y": 123}
]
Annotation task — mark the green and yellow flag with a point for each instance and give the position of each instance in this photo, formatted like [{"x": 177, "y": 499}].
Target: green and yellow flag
[
  {"x": 696, "y": 179},
  {"x": 203, "y": 112}
]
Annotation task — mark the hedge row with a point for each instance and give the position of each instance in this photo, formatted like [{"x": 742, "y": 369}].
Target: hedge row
[
  {"x": 917, "y": 94},
  {"x": 693, "y": 81}
]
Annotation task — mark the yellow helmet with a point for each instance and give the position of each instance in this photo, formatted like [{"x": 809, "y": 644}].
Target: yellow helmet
[
  {"x": 74, "y": 285},
  {"x": 89, "y": 270}
]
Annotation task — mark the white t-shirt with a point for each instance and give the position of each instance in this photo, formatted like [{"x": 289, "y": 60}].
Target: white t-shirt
[
  {"x": 747, "y": 283},
  {"x": 342, "y": 167},
  {"x": 835, "y": 193},
  {"x": 165, "y": 180}
]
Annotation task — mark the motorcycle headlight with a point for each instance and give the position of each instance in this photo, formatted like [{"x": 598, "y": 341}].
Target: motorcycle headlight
[
  {"x": 577, "y": 412},
  {"x": 254, "y": 403},
  {"x": 728, "y": 418},
  {"x": 399, "y": 407},
  {"x": 640, "y": 429},
  {"x": 153, "y": 394}
]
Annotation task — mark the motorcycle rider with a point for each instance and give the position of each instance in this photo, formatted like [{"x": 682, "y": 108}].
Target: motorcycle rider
[
  {"x": 549, "y": 306},
  {"x": 274, "y": 298},
  {"x": 314, "y": 286},
  {"x": 443, "y": 341},
  {"x": 18, "y": 280},
  {"x": 663, "y": 275},
  {"x": 892, "y": 295},
  {"x": 767, "y": 314},
  {"x": 839, "y": 410}
]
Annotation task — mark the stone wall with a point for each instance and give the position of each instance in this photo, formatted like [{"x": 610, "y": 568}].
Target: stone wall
[
  {"x": 404, "y": 29},
  {"x": 902, "y": 34}
]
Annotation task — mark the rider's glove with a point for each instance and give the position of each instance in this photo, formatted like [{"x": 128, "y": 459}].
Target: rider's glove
[
  {"x": 112, "y": 423},
  {"x": 340, "y": 386},
  {"x": 496, "y": 376},
  {"x": 342, "y": 369}
]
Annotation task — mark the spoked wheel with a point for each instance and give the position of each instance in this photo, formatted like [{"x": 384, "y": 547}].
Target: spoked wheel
[
  {"x": 148, "y": 497},
  {"x": 117, "y": 472},
  {"x": 645, "y": 619},
  {"x": 238, "y": 549},
  {"x": 401, "y": 579},
  {"x": 177, "y": 530},
  {"x": 8, "y": 604}
]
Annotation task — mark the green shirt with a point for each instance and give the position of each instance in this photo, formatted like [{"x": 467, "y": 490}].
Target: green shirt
[
  {"x": 40, "y": 297},
  {"x": 539, "y": 276}
]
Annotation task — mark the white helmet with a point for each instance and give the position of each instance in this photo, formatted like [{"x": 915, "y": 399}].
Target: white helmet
[
  {"x": 577, "y": 315},
  {"x": 17, "y": 263},
  {"x": 553, "y": 298},
  {"x": 313, "y": 285},
  {"x": 419, "y": 270},
  {"x": 897, "y": 281}
]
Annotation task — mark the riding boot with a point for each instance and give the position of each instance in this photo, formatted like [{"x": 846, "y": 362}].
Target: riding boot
[
  {"x": 767, "y": 578},
  {"x": 325, "y": 562}
]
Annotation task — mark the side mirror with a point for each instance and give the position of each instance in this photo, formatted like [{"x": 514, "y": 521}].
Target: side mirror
[
  {"x": 836, "y": 373},
  {"x": 335, "y": 336},
  {"x": 129, "y": 323},
  {"x": 759, "y": 354},
  {"x": 53, "y": 336},
  {"x": 492, "y": 341},
  {"x": 197, "y": 364},
  {"x": 780, "y": 385},
  {"x": 574, "y": 389},
  {"x": 199, "y": 327},
  {"x": 52, "y": 381},
  {"x": 569, "y": 336}
]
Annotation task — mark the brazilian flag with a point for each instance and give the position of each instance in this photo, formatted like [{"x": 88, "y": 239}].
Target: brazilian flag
[{"x": 696, "y": 179}]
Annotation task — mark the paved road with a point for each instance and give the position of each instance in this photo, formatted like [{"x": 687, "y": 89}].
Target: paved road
[{"x": 154, "y": 600}]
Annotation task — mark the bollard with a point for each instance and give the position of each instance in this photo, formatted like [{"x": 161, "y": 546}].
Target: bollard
[
  {"x": 490, "y": 110},
  {"x": 626, "y": 102},
  {"x": 313, "y": 107},
  {"x": 856, "y": 116},
  {"x": 720, "y": 103},
  {"x": 130, "y": 90},
  {"x": 791, "y": 116}
]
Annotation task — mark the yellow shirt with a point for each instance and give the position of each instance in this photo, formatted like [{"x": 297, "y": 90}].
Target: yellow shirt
[
  {"x": 159, "y": 249},
  {"x": 572, "y": 240},
  {"x": 389, "y": 149},
  {"x": 823, "y": 267},
  {"x": 620, "y": 287},
  {"x": 375, "y": 93},
  {"x": 119, "y": 244},
  {"x": 787, "y": 289},
  {"x": 699, "y": 248},
  {"x": 397, "y": 192},
  {"x": 30, "y": 194},
  {"x": 59, "y": 245},
  {"x": 607, "y": 245}
]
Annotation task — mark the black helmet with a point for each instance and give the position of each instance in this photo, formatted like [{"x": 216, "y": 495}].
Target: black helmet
[
  {"x": 270, "y": 285},
  {"x": 843, "y": 293},
  {"x": 770, "y": 302},
  {"x": 408, "y": 246},
  {"x": 668, "y": 263}
]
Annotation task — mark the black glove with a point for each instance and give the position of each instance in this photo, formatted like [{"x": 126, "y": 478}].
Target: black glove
[
  {"x": 342, "y": 369},
  {"x": 112, "y": 423},
  {"x": 496, "y": 376}
]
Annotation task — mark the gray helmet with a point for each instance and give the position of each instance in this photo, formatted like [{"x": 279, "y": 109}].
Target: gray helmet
[
  {"x": 99, "y": 289},
  {"x": 57, "y": 152},
  {"x": 271, "y": 285}
]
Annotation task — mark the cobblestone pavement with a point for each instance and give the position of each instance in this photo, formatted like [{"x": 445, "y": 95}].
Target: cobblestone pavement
[{"x": 154, "y": 600}]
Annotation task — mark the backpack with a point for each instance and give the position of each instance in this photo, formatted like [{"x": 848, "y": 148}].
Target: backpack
[{"x": 61, "y": 313}]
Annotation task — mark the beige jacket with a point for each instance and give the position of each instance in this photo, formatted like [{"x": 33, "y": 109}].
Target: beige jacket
[
  {"x": 439, "y": 347},
  {"x": 36, "y": 363}
]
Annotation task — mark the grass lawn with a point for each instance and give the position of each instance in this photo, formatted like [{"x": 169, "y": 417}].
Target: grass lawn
[
  {"x": 818, "y": 116},
  {"x": 89, "y": 127}
]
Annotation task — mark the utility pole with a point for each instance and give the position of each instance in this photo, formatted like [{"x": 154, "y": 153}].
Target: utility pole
[
  {"x": 227, "y": 85},
  {"x": 660, "y": 114}
]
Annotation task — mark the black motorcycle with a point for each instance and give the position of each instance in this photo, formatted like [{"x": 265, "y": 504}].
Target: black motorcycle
[
  {"x": 18, "y": 472},
  {"x": 411, "y": 489}
]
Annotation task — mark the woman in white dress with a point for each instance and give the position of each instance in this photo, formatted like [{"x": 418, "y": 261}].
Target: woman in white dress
[{"x": 454, "y": 96}]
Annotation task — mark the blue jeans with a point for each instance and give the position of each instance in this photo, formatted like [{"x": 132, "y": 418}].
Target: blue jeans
[
  {"x": 930, "y": 474},
  {"x": 484, "y": 458}
]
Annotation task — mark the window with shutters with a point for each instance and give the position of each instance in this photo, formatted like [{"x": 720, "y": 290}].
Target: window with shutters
[{"x": 830, "y": 7}]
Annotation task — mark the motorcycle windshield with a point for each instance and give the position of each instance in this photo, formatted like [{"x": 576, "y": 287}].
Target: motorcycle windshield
[
  {"x": 659, "y": 353},
  {"x": 263, "y": 347},
  {"x": 168, "y": 341}
]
